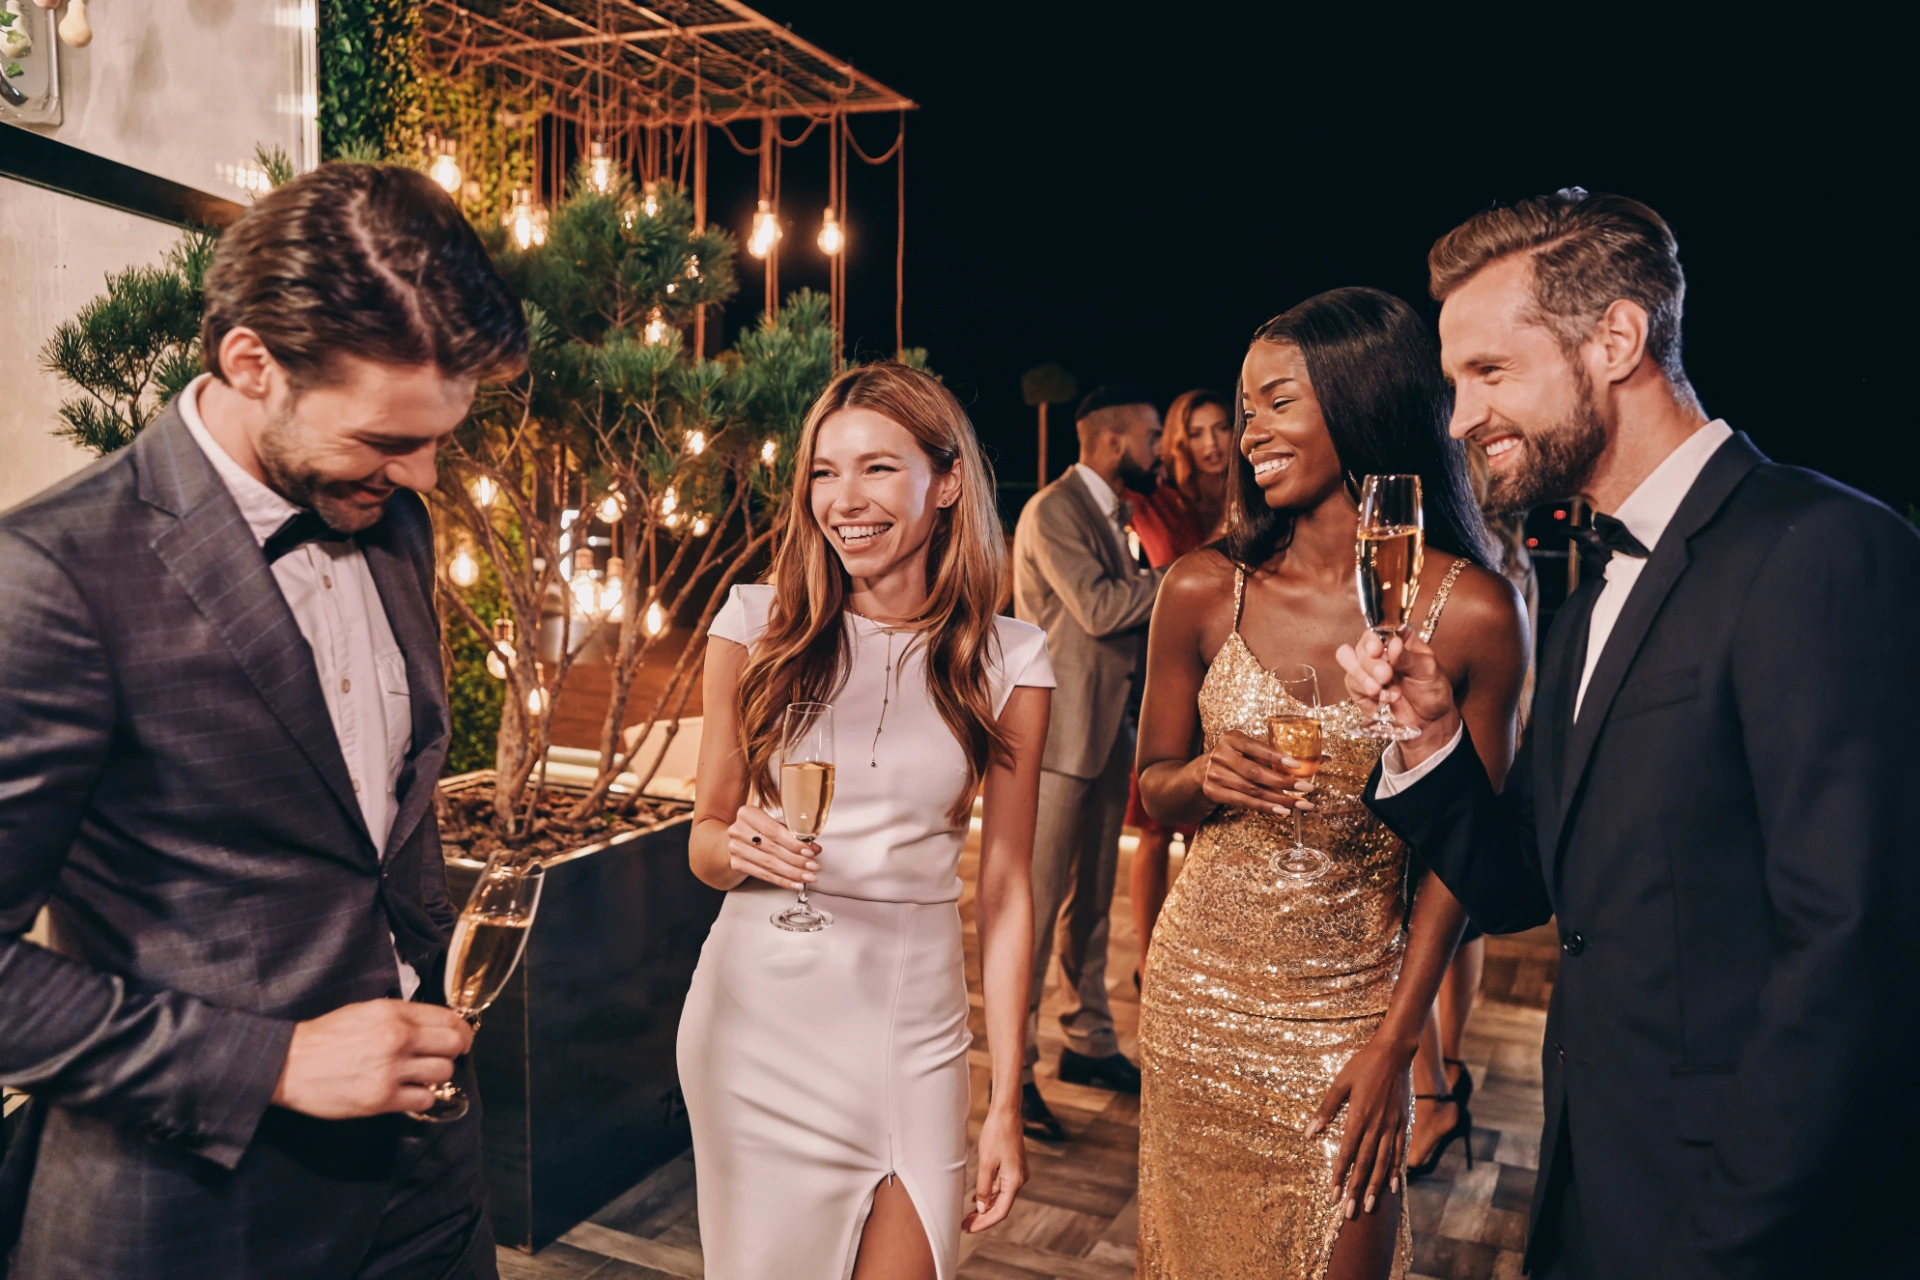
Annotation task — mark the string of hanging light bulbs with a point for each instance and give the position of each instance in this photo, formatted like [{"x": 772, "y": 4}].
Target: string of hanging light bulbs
[
  {"x": 526, "y": 218},
  {"x": 654, "y": 150}
]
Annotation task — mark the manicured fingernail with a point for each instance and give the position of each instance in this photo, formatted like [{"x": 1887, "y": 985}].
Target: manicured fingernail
[
  {"x": 810, "y": 877},
  {"x": 1369, "y": 1202},
  {"x": 1349, "y": 1206},
  {"x": 1393, "y": 1183},
  {"x": 813, "y": 866},
  {"x": 1314, "y": 1127},
  {"x": 1290, "y": 762},
  {"x": 1280, "y": 809},
  {"x": 1305, "y": 806}
]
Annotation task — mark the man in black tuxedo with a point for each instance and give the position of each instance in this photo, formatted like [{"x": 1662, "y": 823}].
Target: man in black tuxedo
[
  {"x": 222, "y": 718},
  {"x": 1716, "y": 797}
]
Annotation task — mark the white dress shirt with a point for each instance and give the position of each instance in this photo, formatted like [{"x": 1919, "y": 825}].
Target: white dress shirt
[
  {"x": 1646, "y": 513},
  {"x": 1103, "y": 495},
  {"x": 1109, "y": 502},
  {"x": 363, "y": 675}
]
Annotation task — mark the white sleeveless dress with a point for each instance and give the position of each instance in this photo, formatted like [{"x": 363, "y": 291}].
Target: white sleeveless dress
[{"x": 816, "y": 1064}]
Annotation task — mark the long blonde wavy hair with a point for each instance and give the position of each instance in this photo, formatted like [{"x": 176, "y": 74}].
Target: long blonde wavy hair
[{"x": 804, "y": 655}]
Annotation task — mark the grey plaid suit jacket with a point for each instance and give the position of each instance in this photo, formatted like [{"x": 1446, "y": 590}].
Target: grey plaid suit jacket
[
  {"x": 171, "y": 788},
  {"x": 1073, "y": 578}
]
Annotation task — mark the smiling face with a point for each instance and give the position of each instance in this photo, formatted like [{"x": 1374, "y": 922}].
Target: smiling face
[
  {"x": 343, "y": 448},
  {"x": 1286, "y": 438},
  {"x": 1517, "y": 394},
  {"x": 1210, "y": 439},
  {"x": 874, "y": 492}
]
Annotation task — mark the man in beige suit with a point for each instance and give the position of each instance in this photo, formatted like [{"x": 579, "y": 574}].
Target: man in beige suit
[{"x": 1074, "y": 576}]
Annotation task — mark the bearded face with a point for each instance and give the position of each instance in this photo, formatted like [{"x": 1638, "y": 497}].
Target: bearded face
[
  {"x": 1546, "y": 462},
  {"x": 299, "y": 473}
]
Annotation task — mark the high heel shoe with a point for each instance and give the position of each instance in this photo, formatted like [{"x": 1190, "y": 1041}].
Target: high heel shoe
[
  {"x": 1463, "y": 1087},
  {"x": 1462, "y": 1129}
]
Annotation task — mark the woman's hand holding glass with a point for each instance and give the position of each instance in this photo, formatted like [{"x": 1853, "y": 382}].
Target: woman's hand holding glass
[
  {"x": 761, "y": 846},
  {"x": 1247, "y": 774}
]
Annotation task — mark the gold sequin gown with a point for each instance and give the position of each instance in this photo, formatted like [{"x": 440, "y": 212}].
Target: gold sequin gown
[{"x": 1256, "y": 992}]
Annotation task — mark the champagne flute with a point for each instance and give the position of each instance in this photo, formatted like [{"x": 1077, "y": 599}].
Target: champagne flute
[
  {"x": 1296, "y": 733},
  {"x": 1388, "y": 549},
  {"x": 806, "y": 793},
  {"x": 488, "y": 940}
]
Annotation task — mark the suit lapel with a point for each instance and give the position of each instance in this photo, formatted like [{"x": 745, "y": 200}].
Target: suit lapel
[
  {"x": 414, "y": 630},
  {"x": 1716, "y": 482},
  {"x": 212, "y": 553},
  {"x": 1115, "y": 554},
  {"x": 1561, "y": 662}
]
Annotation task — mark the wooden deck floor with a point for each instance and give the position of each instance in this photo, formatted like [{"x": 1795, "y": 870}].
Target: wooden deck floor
[{"x": 1076, "y": 1218}]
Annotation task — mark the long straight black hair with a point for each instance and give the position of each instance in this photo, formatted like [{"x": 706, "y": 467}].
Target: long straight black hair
[{"x": 1375, "y": 368}]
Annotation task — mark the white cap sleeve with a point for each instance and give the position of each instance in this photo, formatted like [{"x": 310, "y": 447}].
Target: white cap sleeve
[
  {"x": 1023, "y": 660},
  {"x": 743, "y": 618}
]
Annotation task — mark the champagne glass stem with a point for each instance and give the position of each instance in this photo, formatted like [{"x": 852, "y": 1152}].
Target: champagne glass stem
[
  {"x": 1382, "y": 713},
  {"x": 1297, "y": 841}
]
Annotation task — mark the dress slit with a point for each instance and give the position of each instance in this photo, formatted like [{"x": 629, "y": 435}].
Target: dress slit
[{"x": 866, "y": 1215}]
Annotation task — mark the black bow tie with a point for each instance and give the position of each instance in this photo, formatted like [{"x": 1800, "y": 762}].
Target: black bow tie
[
  {"x": 1610, "y": 535},
  {"x": 301, "y": 528},
  {"x": 1123, "y": 513}
]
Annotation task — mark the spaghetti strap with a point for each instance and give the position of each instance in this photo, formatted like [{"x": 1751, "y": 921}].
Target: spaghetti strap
[
  {"x": 1439, "y": 601},
  {"x": 1239, "y": 590}
]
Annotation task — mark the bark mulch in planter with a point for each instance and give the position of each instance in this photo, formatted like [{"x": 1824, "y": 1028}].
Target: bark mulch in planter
[{"x": 467, "y": 830}]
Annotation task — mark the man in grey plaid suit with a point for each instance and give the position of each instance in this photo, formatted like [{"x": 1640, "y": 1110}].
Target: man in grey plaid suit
[{"x": 222, "y": 715}]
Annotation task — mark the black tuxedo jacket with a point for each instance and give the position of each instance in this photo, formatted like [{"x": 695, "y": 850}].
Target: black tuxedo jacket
[
  {"x": 1727, "y": 837},
  {"x": 172, "y": 788}
]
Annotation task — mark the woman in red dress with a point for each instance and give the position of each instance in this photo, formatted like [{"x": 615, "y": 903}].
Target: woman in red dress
[{"x": 1184, "y": 512}]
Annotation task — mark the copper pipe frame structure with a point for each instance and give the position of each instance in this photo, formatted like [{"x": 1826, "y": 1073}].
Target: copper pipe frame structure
[{"x": 605, "y": 96}]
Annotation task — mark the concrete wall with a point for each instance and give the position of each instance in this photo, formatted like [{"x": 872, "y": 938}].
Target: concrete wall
[{"x": 181, "y": 88}]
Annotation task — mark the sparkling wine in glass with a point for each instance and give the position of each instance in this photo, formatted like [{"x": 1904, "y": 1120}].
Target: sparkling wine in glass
[
  {"x": 488, "y": 940},
  {"x": 806, "y": 793},
  {"x": 1389, "y": 547},
  {"x": 1296, "y": 733}
]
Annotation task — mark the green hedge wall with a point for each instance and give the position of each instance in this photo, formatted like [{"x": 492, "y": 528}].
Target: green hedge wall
[{"x": 370, "y": 96}]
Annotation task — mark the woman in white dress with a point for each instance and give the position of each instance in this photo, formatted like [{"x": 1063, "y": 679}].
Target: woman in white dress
[{"x": 826, "y": 1073}]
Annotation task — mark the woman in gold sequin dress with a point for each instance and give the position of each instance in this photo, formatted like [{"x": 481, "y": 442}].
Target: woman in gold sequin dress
[{"x": 1279, "y": 1017}]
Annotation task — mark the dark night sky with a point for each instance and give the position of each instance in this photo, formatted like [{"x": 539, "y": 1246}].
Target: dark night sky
[{"x": 1114, "y": 190}]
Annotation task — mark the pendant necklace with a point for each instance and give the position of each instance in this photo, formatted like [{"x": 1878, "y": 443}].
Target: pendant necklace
[{"x": 886, "y": 697}]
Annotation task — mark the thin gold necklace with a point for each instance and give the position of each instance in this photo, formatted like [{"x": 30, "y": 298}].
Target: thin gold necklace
[{"x": 886, "y": 697}]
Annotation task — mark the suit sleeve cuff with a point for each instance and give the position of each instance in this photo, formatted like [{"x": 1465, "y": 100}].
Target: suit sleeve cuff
[
  {"x": 1395, "y": 777},
  {"x": 229, "y": 1112}
]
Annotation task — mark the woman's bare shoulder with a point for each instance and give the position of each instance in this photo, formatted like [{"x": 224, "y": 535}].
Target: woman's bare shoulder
[
  {"x": 1483, "y": 614},
  {"x": 1198, "y": 577}
]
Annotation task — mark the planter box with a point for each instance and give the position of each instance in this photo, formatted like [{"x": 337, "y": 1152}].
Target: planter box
[{"x": 576, "y": 1058}]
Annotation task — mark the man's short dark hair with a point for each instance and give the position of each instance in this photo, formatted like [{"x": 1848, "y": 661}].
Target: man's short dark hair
[
  {"x": 1113, "y": 395},
  {"x": 364, "y": 260}
]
